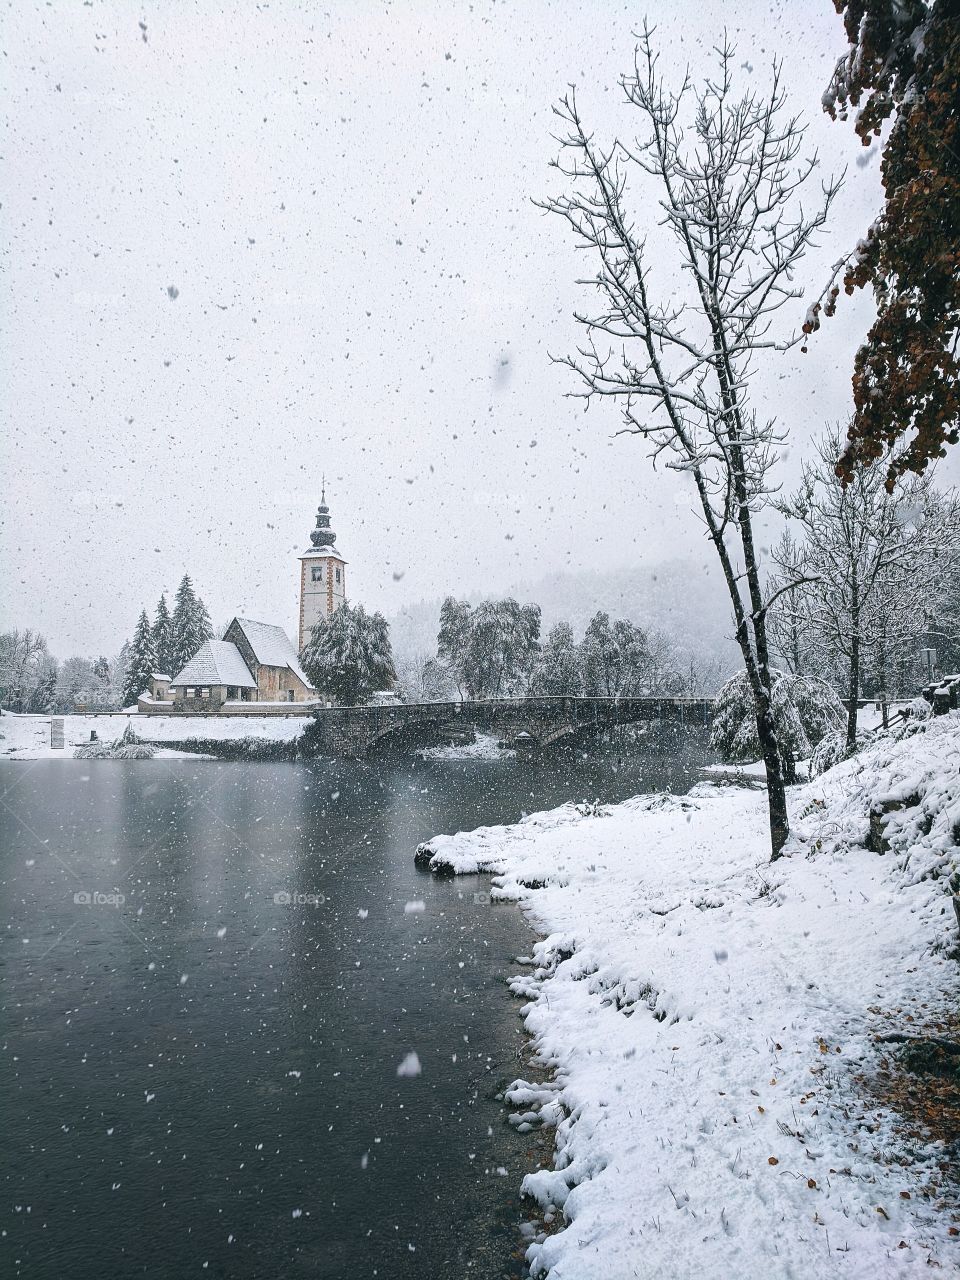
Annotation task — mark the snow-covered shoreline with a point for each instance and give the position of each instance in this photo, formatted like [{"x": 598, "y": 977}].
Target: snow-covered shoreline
[
  {"x": 705, "y": 1014},
  {"x": 27, "y": 737}
]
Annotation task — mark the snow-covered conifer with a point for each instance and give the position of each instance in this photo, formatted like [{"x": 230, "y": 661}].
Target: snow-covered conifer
[
  {"x": 190, "y": 625},
  {"x": 163, "y": 637},
  {"x": 143, "y": 661}
]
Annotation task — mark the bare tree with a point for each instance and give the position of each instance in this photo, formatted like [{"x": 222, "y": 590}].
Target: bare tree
[
  {"x": 423, "y": 677},
  {"x": 680, "y": 366},
  {"x": 875, "y": 563},
  {"x": 702, "y": 675},
  {"x": 790, "y": 626},
  {"x": 27, "y": 671}
]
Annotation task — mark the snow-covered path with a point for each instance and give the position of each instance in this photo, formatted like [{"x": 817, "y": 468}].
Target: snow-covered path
[{"x": 705, "y": 1013}]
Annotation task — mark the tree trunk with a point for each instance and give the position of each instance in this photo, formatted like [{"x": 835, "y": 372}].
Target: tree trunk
[
  {"x": 853, "y": 689},
  {"x": 853, "y": 685},
  {"x": 776, "y": 789},
  {"x": 882, "y": 690}
]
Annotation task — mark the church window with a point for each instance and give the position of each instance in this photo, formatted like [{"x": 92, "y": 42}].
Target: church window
[
  {"x": 317, "y": 573},
  {"x": 338, "y": 575}
]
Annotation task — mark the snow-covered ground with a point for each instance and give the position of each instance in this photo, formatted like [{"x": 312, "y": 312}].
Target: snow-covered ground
[
  {"x": 485, "y": 747},
  {"x": 28, "y": 737},
  {"x": 706, "y": 1015}
]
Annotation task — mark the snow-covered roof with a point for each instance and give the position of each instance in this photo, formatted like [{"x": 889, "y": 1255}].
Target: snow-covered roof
[
  {"x": 324, "y": 553},
  {"x": 272, "y": 647},
  {"x": 158, "y": 675},
  {"x": 216, "y": 662}
]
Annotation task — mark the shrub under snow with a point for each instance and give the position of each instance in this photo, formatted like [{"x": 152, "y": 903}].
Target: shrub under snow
[{"x": 805, "y": 711}]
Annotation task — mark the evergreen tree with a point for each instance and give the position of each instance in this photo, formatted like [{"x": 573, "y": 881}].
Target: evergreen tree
[
  {"x": 348, "y": 656},
  {"x": 163, "y": 637},
  {"x": 143, "y": 661},
  {"x": 118, "y": 674},
  {"x": 101, "y": 681},
  {"x": 190, "y": 626}
]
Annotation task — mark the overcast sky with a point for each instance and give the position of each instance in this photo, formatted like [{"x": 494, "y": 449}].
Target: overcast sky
[{"x": 248, "y": 245}]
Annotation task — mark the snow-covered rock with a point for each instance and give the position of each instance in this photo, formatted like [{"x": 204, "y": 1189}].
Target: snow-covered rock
[{"x": 485, "y": 747}]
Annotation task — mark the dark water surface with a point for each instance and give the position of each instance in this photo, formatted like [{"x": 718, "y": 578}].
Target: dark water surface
[{"x": 202, "y": 1079}]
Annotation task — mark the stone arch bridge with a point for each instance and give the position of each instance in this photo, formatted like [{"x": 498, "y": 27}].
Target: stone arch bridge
[{"x": 521, "y": 723}]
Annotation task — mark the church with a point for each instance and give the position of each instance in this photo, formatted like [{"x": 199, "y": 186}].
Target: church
[{"x": 256, "y": 662}]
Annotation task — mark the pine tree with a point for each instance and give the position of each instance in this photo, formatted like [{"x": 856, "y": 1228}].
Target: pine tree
[
  {"x": 118, "y": 674},
  {"x": 348, "y": 656},
  {"x": 163, "y": 637},
  {"x": 190, "y": 626},
  {"x": 100, "y": 681},
  {"x": 143, "y": 661}
]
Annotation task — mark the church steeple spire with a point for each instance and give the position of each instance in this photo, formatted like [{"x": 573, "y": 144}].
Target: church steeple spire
[
  {"x": 323, "y": 573},
  {"x": 323, "y": 535}
]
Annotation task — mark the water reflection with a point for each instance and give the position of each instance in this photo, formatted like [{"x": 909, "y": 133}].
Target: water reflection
[{"x": 204, "y": 1074}]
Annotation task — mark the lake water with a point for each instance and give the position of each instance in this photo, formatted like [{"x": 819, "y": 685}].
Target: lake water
[{"x": 201, "y": 1078}]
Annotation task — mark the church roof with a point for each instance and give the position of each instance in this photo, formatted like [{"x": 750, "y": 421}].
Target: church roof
[
  {"x": 216, "y": 662},
  {"x": 272, "y": 647},
  {"x": 312, "y": 553}
]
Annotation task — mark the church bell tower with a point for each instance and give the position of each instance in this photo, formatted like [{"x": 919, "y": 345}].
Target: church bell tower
[{"x": 323, "y": 574}]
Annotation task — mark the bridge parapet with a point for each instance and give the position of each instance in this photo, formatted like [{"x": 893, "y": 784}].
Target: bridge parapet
[{"x": 353, "y": 731}]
